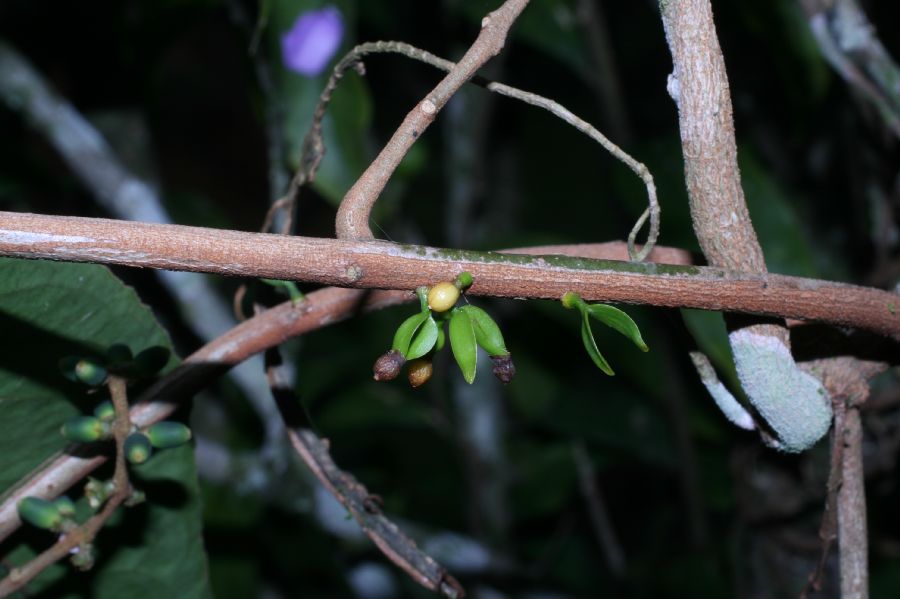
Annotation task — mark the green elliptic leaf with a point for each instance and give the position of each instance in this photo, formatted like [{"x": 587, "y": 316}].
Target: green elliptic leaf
[
  {"x": 404, "y": 335},
  {"x": 620, "y": 321},
  {"x": 487, "y": 333},
  {"x": 587, "y": 336},
  {"x": 463, "y": 344},
  {"x": 53, "y": 310},
  {"x": 424, "y": 340}
]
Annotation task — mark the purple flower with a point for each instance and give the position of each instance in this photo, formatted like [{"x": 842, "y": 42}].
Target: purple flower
[{"x": 308, "y": 46}]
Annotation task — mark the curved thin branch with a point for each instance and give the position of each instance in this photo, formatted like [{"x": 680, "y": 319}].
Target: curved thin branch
[
  {"x": 383, "y": 265},
  {"x": 353, "y": 215}
]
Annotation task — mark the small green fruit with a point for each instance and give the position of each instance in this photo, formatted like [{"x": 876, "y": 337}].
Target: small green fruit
[
  {"x": 164, "y": 435},
  {"x": 138, "y": 448},
  {"x": 90, "y": 372},
  {"x": 65, "y": 506},
  {"x": 463, "y": 280},
  {"x": 443, "y": 296},
  {"x": 84, "y": 429},
  {"x": 105, "y": 411},
  {"x": 41, "y": 513}
]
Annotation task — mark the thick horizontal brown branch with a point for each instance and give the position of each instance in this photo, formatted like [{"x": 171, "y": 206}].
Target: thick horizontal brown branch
[{"x": 382, "y": 265}]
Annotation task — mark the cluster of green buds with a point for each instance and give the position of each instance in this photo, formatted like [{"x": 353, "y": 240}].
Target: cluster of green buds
[
  {"x": 139, "y": 445},
  {"x": 421, "y": 335},
  {"x": 118, "y": 359},
  {"x": 610, "y": 316}
]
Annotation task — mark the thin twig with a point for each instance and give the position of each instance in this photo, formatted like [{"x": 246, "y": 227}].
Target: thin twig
[
  {"x": 365, "y": 507},
  {"x": 81, "y": 537},
  {"x": 852, "y": 533},
  {"x": 850, "y": 45},
  {"x": 593, "y": 498},
  {"x": 828, "y": 530},
  {"x": 353, "y": 215}
]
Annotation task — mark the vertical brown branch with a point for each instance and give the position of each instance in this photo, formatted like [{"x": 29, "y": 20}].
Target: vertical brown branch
[{"x": 792, "y": 403}]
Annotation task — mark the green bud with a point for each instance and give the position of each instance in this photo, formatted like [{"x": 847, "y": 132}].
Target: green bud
[
  {"x": 137, "y": 448},
  {"x": 41, "y": 513},
  {"x": 83, "y": 370},
  {"x": 118, "y": 356},
  {"x": 105, "y": 411},
  {"x": 84, "y": 429},
  {"x": 166, "y": 434},
  {"x": 90, "y": 372},
  {"x": 463, "y": 280},
  {"x": 571, "y": 299},
  {"x": 65, "y": 506}
]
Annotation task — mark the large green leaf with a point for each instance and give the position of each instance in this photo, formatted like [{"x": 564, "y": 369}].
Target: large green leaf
[{"x": 48, "y": 311}]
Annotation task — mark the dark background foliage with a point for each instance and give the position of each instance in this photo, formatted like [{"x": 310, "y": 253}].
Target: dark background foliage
[{"x": 699, "y": 508}]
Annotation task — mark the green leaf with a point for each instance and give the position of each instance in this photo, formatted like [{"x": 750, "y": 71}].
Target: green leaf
[
  {"x": 424, "y": 340},
  {"x": 348, "y": 117},
  {"x": 587, "y": 336},
  {"x": 487, "y": 333},
  {"x": 151, "y": 360},
  {"x": 463, "y": 344},
  {"x": 620, "y": 321},
  {"x": 404, "y": 335},
  {"x": 53, "y": 310}
]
